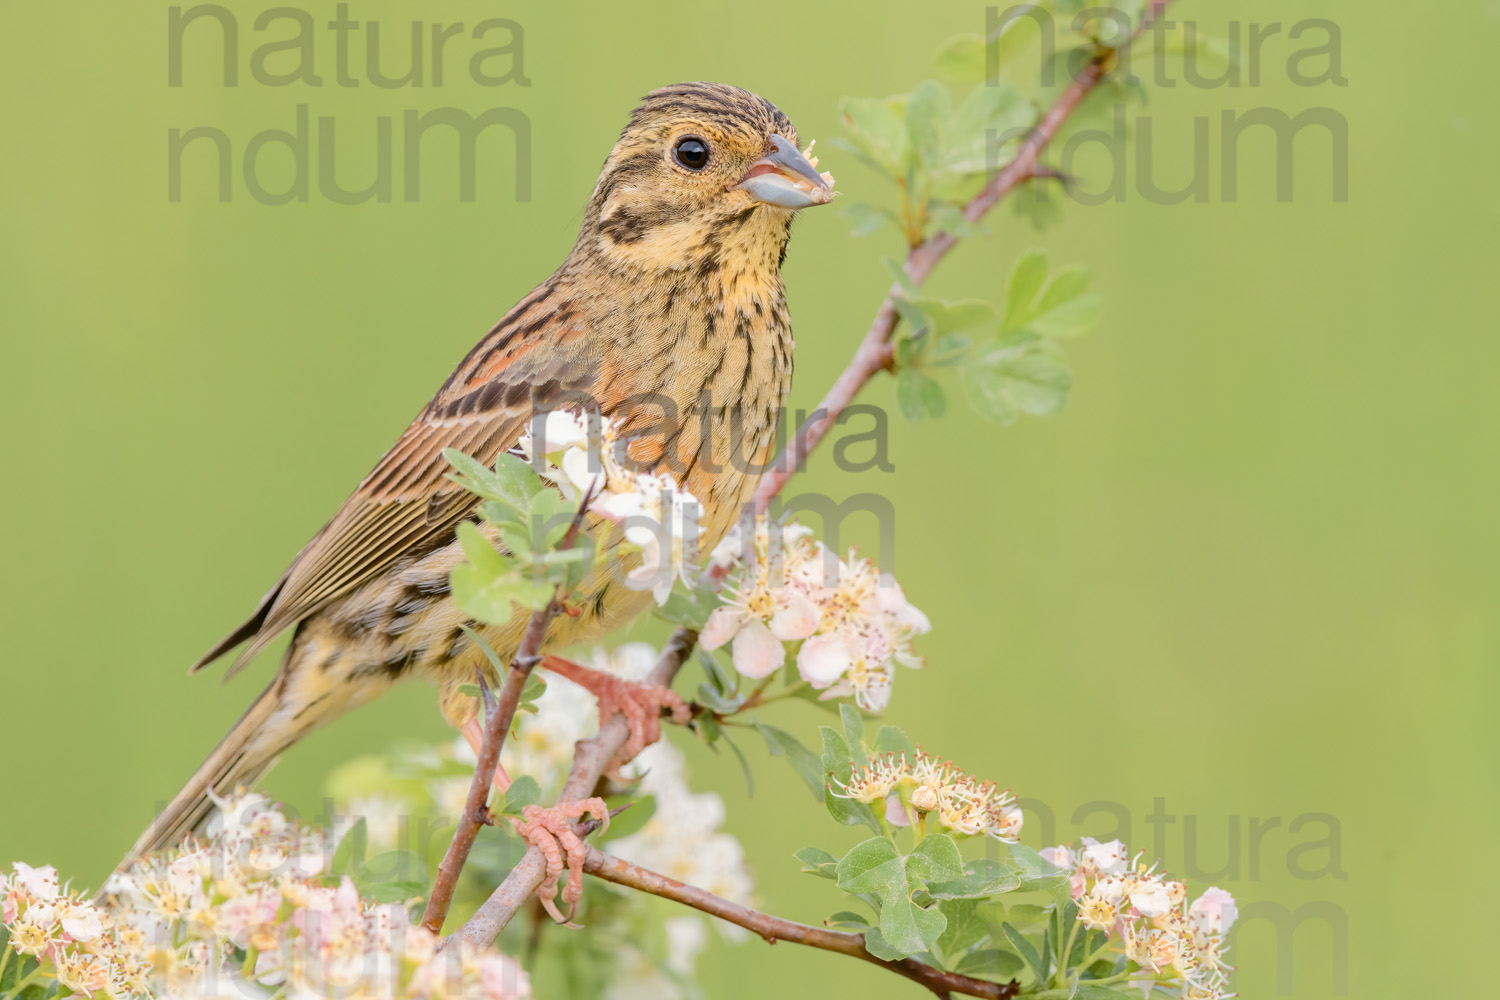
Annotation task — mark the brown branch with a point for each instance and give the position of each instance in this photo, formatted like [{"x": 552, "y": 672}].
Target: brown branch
[
  {"x": 873, "y": 354},
  {"x": 476, "y": 813},
  {"x": 773, "y": 929},
  {"x": 590, "y": 758}
]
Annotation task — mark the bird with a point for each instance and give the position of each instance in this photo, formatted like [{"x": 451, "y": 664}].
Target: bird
[{"x": 669, "y": 307}]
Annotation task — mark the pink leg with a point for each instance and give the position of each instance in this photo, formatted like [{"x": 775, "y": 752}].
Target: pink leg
[
  {"x": 550, "y": 831},
  {"x": 641, "y": 704},
  {"x": 473, "y": 734}
]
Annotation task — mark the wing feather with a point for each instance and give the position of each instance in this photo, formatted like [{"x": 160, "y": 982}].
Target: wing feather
[{"x": 406, "y": 506}]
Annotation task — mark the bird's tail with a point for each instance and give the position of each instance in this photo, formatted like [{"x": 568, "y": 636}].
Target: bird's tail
[{"x": 241, "y": 759}]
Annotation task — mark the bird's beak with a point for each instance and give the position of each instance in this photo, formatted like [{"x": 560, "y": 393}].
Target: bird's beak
[{"x": 784, "y": 177}]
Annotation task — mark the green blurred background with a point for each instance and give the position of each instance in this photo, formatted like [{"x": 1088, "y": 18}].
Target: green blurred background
[{"x": 1249, "y": 571}]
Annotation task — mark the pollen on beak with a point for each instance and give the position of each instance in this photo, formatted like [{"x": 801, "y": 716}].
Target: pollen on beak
[{"x": 785, "y": 177}]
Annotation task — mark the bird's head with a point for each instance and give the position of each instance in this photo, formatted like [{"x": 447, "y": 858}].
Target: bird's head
[{"x": 703, "y": 172}]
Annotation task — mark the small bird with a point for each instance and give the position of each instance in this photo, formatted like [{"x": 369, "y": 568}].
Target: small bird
[{"x": 669, "y": 313}]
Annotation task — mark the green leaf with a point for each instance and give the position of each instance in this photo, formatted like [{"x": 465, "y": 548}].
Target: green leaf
[
  {"x": 523, "y": 791},
  {"x": 966, "y": 927},
  {"x": 1026, "y": 950},
  {"x": 739, "y": 754},
  {"x": 1027, "y": 914},
  {"x": 876, "y": 945},
  {"x": 807, "y": 765},
  {"x": 950, "y": 218},
  {"x": 837, "y": 764},
  {"x": 908, "y": 927},
  {"x": 854, "y": 731},
  {"x": 962, "y": 58},
  {"x": 985, "y": 130},
  {"x": 1026, "y": 278},
  {"x": 633, "y": 819},
  {"x": 1035, "y": 202},
  {"x": 847, "y": 920},
  {"x": 1039, "y": 875},
  {"x": 816, "y": 861},
  {"x": 919, "y": 395},
  {"x": 935, "y": 859},
  {"x": 392, "y": 877},
  {"x": 878, "y": 130},
  {"x": 928, "y": 109},
  {"x": 350, "y": 853},
  {"x": 1008, "y": 379},
  {"x": 872, "y": 866},
  {"x": 1064, "y": 308},
  {"x": 489, "y": 586},
  {"x": 981, "y": 878},
  {"x": 512, "y": 482},
  {"x": 990, "y": 963},
  {"x": 898, "y": 271},
  {"x": 890, "y": 739}
]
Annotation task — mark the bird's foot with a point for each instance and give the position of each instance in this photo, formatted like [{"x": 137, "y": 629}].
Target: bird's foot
[
  {"x": 550, "y": 830},
  {"x": 642, "y": 705}
]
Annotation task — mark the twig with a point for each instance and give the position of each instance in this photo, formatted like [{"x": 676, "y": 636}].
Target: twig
[
  {"x": 475, "y": 814},
  {"x": 873, "y": 354},
  {"x": 590, "y": 758},
  {"x": 773, "y": 929}
]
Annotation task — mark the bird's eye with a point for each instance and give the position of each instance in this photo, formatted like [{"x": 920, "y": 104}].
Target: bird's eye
[{"x": 691, "y": 152}]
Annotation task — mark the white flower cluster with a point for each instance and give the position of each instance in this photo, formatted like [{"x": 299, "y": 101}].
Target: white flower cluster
[
  {"x": 247, "y": 911},
  {"x": 582, "y": 455},
  {"x": 69, "y": 939},
  {"x": 1178, "y": 947},
  {"x": 854, "y": 625},
  {"x": 926, "y": 786}
]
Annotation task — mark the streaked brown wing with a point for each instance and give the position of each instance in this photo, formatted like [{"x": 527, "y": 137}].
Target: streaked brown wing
[{"x": 406, "y": 504}]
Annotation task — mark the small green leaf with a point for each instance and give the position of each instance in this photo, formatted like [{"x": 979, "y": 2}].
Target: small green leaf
[
  {"x": 878, "y": 130},
  {"x": 816, "y": 861},
  {"x": 935, "y": 859},
  {"x": 523, "y": 791},
  {"x": 990, "y": 963},
  {"x": 1026, "y": 278},
  {"x": 898, "y": 271},
  {"x": 890, "y": 739},
  {"x": 633, "y": 819},
  {"x": 838, "y": 765},
  {"x": 854, "y": 731},
  {"x": 872, "y": 866},
  {"x": 928, "y": 109},
  {"x": 847, "y": 920},
  {"x": 807, "y": 765},
  {"x": 966, "y": 927},
  {"x": 1005, "y": 380},
  {"x": 392, "y": 877},
  {"x": 877, "y": 945},
  {"x": 1026, "y": 950},
  {"x": 919, "y": 395},
  {"x": 962, "y": 58},
  {"x": 982, "y": 878}
]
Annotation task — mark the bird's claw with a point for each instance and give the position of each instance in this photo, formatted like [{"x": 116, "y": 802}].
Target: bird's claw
[
  {"x": 641, "y": 705},
  {"x": 550, "y": 830}
]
